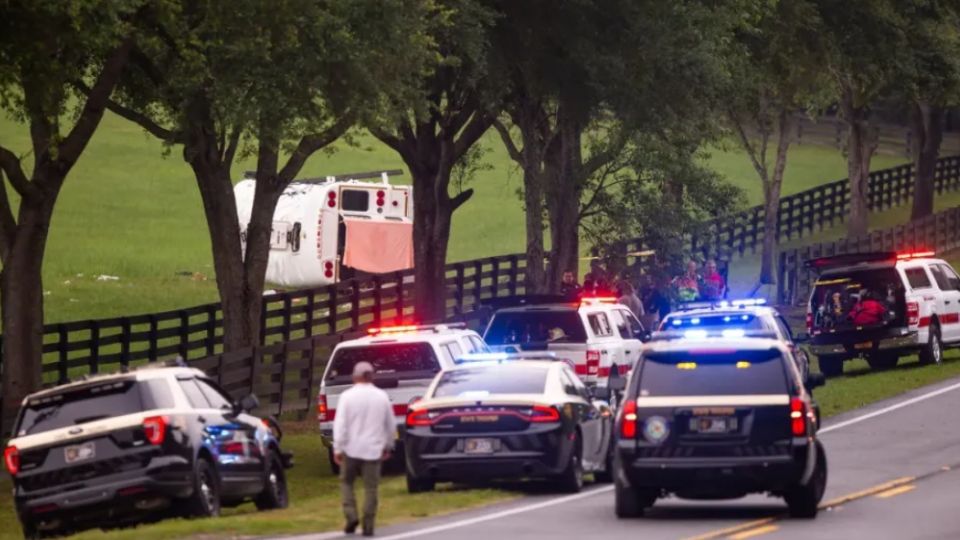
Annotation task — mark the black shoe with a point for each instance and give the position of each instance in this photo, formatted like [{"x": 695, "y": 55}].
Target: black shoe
[
  {"x": 367, "y": 532},
  {"x": 351, "y": 527}
]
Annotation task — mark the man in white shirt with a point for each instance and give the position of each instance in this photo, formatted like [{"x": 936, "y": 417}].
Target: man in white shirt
[{"x": 364, "y": 431}]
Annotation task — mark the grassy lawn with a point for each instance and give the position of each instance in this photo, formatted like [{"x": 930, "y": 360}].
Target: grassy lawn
[{"x": 130, "y": 211}]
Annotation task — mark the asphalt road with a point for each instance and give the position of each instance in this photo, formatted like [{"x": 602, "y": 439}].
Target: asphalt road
[{"x": 894, "y": 472}]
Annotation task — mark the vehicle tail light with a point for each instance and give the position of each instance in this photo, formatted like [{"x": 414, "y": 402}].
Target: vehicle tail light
[
  {"x": 593, "y": 362},
  {"x": 913, "y": 313},
  {"x": 11, "y": 458},
  {"x": 328, "y": 269},
  {"x": 418, "y": 418},
  {"x": 322, "y": 412},
  {"x": 543, "y": 414},
  {"x": 798, "y": 417},
  {"x": 332, "y": 199},
  {"x": 628, "y": 420},
  {"x": 380, "y": 198},
  {"x": 155, "y": 428},
  {"x": 809, "y": 322}
]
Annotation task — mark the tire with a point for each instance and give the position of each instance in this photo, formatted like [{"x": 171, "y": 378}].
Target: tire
[
  {"x": 803, "y": 501},
  {"x": 932, "y": 352},
  {"x": 334, "y": 468},
  {"x": 419, "y": 485},
  {"x": 205, "y": 499},
  {"x": 571, "y": 479},
  {"x": 631, "y": 503},
  {"x": 30, "y": 531},
  {"x": 274, "y": 495},
  {"x": 831, "y": 365},
  {"x": 881, "y": 361}
]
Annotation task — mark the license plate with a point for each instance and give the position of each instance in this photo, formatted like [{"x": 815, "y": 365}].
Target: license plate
[
  {"x": 479, "y": 446},
  {"x": 713, "y": 424},
  {"x": 79, "y": 452},
  {"x": 864, "y": 345}
]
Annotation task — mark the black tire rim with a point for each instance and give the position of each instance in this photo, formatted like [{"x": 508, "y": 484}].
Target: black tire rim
[
  {"x": 577, "y": 471},
  {"x": 936, "y": 351},
  {"x": 278, "y": 484}
]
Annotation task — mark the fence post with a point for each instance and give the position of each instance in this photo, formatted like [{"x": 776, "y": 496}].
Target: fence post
[
  {"x": 355, "y": 304},
  {"x": 399, "y": 302},
  {"x": 495, "y": 279},
  {"x": 332, "y": 308},
  {"x": 287, "y": 308},
  {"x": 184, "y": 334},
  {"x": 309, "y": 316},
  {"x": 377, "y": 300},
  {"x": 124, "y": 342},
  {"x": 477, "y": 283},
  {"x": 283, "y": 374},
  {"x": 781, "y": 275},
  {"x": 211, "y": 329},
  {"x": 513, "y": 275},
  {"x": 152, "y": 337},
  {"x": 95, "y": 347},
  {"x": 458, "y": 294},
  {"x": 62, "y": 360}
]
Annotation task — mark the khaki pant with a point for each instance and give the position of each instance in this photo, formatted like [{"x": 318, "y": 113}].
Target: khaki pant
[{"x": 370, "y": 472}]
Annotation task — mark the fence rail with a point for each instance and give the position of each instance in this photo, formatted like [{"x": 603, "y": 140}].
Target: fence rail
[
  {"x": 940, "y": 232},
  {"x": 75, "y": 348}
]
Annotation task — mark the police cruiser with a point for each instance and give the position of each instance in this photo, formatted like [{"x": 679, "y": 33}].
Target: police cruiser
[{"x": 718, "y": 418}]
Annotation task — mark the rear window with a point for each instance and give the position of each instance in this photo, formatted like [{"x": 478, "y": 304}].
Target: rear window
[
  {"x": 917, "y": 277},
  {"x": 742, "y": 321},
  {"x": 692, "y": 373},
  {"x": 489, "y": 380},
  {"x": 560, "y": 326},
  {"x": 836, "y": 293},
  {"x": 355, "y": 200},
  {"x": 405, "y": 360},
  {"x": 91, "y": 403}
]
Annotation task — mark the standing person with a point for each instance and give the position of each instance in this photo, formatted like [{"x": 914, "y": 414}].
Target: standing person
[
  {"x": 363, "y": 435},
  {"x": 569, "y": 286},
  {"x": 629, "y": 298},
  {"x": 656, "y": 306},
  {"x": 686, "y": 287},
  {"x": 713, "y": 286}
]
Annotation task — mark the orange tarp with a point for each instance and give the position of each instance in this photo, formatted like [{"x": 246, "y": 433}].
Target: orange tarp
[{"x": 378, "y": 246}]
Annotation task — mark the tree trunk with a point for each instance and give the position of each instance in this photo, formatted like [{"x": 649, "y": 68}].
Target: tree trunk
[
  {"x": 21, "y": 288},
  {"x": 861, "y": 144},
  {"x": 926, "y": 124},
  {"x": 563, "y": 199},
  {"x": 771, "y": 198},
  {"x": 433, "y": 212}
]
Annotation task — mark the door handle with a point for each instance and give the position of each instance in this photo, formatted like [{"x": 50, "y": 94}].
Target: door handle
[{"x": 947, "y": 302}]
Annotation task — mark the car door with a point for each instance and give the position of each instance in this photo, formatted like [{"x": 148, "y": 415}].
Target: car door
[
  {"x": 803, "y": 362},
  {"x": 588, "y": 418},
  {"x": 607, "y": 343},
  {"x": 948, "y": 302},
  {"x": 228, "y": 439},
  {"x": 630, "y": 329}
]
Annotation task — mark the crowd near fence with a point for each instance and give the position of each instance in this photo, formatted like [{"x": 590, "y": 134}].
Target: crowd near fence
[{"x": 300, "y": 327}]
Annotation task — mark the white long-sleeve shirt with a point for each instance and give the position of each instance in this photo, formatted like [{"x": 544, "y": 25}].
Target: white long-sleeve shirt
[{"x": 364, "y": 427}]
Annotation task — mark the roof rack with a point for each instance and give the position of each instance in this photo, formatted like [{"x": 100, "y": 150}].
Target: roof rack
[
  {"x": 382, "y": 175},
  {"x": 412, "y": 328}
]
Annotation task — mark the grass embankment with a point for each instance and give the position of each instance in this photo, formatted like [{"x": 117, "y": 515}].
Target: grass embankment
[{"x": 128, "y": 211}]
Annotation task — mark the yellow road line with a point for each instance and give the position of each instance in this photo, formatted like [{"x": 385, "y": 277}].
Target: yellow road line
[
  {"x": 895, "y": 491},
  {"x": 732, "y": 530},
  {"x": 754, "y": 532},
  {"x": 867, "y": 492}
]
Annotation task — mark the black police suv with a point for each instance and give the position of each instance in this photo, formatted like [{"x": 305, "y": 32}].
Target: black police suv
[
  {"x": 718, "y": 419},
  {"x": 508, "y": 420},
  {"x": 118, "y": 448}
]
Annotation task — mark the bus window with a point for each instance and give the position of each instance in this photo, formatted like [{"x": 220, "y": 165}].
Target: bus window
[{"x": 355, "y": 200}]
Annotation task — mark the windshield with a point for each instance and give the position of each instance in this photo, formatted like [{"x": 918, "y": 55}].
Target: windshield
[
  {"x": 741, "y": 321},
  {"x": 91, "y": 403},
  {"x": 709, "y": 373},
  {"x": 491, "y": 380},
  {"x": 519, "y": 327},
  {"x": 406, "y": 360},
  {"x": 839, "y": 298}
]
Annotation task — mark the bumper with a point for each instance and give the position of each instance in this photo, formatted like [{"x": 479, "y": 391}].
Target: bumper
[
  {"x": 856, "y": 344},
  {"x": 166, "y": 478}
]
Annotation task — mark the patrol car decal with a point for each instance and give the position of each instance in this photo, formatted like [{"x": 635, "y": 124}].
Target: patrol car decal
[{"x": 710, "y": 401}]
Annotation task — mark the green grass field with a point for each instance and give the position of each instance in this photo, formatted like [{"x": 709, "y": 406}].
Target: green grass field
[{"x": 131, "y": 209}]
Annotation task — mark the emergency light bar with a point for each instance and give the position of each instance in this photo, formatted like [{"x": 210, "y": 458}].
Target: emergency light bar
[
  {"x": 594, "y": 300},
  {"x": 505, "y": 357},
  {"x": 705, "y": 333},
  {"x": 723, "y": 304},
  {"x": 915, "y": 255},
  {"x": 410, "y": 328}
]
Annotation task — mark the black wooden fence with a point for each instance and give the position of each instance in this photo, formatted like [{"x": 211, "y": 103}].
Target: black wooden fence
[{"x": 939, "y": 232}]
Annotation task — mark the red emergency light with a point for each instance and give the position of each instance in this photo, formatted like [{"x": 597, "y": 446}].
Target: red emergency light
[
  {"x": 587, "y": 300},
  {"x": 915, "y": 255},
  {"x": 394, "y": 329}
]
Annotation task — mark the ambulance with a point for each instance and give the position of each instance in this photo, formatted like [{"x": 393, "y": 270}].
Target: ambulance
[{"x": 333, "y": 228}]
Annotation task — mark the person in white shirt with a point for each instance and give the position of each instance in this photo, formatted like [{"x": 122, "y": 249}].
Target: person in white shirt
[{"x": 363, "y": 436}]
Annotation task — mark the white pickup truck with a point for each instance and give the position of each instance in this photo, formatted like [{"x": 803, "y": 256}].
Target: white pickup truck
[{"x": 596, "y": 335}]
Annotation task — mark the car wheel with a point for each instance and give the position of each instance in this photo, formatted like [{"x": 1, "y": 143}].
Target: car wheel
[
  {"x": 932, "y": 352},
  {"x": 571, "y": 479},
  {"x": 274, "y": 494},
  {"x": 334, "y": 468},
  {"x": 831, "y": 365},
  {"x": 803, "y": 501},
  {"x": 420, "y": 485},
  {"x": 30, "y": 530},
  {"x": 630, "y": 502},
  {"x": 205, "y": 500},
  {"x": 881, "y": 361}
]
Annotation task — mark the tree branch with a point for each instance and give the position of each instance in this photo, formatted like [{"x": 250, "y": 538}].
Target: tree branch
[
  {"x": 10, "y": 164},
  {"x": 515, "y": 153},
  {"x": 232, "y": 143},
  {"x": 151, "y": 126},
  {"x": 312, "y": 143},
  {"x": 387, "y": 138},
  {"x": 479, "y": 123},
  {"x": 460, "y": 198},
  {"x": 760, "y": 167}
]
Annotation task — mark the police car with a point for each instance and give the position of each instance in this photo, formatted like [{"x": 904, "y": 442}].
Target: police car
[
  {"x": 718, "y": 418},
  {"x": 916, "y": 301},
  {"x": 597, "y": 335},
  {"x": 405, "y": 358},
  {"x": 737, "y": 318},
  {"x": 114, "y": 449},
  {"x": 508, "y": 417}
]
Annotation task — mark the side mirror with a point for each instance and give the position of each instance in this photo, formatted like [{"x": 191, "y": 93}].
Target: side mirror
[
  {"x": 600, "y": 393},
  {"x": 815, "y": 380},
  {"x": 247, "y": 404}
]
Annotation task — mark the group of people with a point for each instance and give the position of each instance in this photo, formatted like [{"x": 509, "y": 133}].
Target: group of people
[
  {"x": 651, "y": 299},
  {"x": 865, "y": 309}
]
